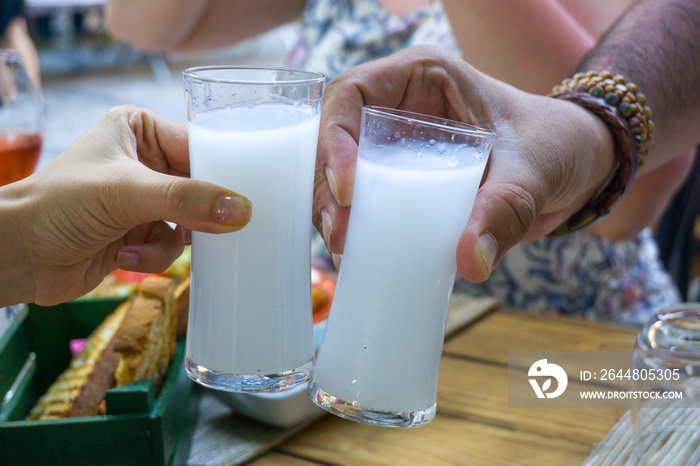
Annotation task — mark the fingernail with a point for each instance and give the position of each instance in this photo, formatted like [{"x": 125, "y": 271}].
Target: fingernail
[
  {"x": 489, "y": 248},
  {"x": 127, "y": 260},
  {"x": 233, "y": 210},
  {"x": 332, "y": 183},
  {"x": 337, "y": 259},
  {"x": 327, "y": 225}
]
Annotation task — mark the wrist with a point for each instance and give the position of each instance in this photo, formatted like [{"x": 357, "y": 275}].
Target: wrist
[
  {"x": 15, "y": 272},
  {"x": 594, "y": 149},
  {"x": 600, "y": 151}
]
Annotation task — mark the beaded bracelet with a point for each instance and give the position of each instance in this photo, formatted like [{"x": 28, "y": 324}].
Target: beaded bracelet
[
  {"x": 621, "y": 95},
  {"x": 621, "y": 108}
]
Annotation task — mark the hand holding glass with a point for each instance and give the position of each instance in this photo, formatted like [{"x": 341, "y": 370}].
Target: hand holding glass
[{"x": 415, "y": 183}]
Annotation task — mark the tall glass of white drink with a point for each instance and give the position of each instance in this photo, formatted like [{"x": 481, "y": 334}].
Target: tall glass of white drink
[
  {"x": 254, "y": 131},
  {"x": 415, "y": 183}
]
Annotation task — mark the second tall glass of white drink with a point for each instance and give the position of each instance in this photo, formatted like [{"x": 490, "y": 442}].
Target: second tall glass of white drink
[
  {"x": 415, "y": 183},
  {"x": 254, "y": 131}
]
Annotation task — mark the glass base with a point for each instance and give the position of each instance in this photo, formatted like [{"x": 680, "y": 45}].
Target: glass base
[
  {"x": 248, "y": 383},
  {"x": 371, "y": 416}
]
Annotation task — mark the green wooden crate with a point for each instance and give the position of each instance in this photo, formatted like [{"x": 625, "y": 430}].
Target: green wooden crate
[{"x": 139, "y": 428}]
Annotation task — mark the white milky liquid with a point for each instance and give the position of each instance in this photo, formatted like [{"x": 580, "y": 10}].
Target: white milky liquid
[
  {"x": 250, "y": 309},
  {"x": 383, "y": 342}
]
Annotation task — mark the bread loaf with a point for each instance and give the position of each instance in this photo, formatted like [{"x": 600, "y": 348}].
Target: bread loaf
[
  {"x": 134, "y": 342},
  {"x": 182, "y": 306},
  {"x": 145, "y": 341},
  {"x": 80, "y": 389}
]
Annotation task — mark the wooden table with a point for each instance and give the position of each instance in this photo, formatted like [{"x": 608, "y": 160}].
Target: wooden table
[{"x": 473, "y": 424}]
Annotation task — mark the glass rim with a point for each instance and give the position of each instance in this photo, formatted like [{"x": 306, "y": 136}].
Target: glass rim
[
  {"x": 428, "y": 120},
  {"x": 662, "y": 338},
  {"x": 310, "y": 78},
  {"x": 671, "y": 311}
]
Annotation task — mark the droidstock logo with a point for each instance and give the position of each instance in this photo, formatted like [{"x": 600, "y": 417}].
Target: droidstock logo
[{"x": 543, "y": 370}]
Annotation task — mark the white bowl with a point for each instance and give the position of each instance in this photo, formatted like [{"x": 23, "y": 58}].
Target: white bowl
[{"x": 280, "y": 409}]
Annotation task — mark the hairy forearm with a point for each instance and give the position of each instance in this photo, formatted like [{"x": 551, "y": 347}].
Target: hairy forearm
[{"x": 656, "y": 46}]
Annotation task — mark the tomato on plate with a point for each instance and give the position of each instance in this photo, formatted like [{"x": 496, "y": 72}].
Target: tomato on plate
[
  {"x": 322, "y": 290},
  {"x": 126, "y": 276}
]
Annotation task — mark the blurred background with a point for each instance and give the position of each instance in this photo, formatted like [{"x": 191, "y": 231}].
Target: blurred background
[{"x": 84, "y": 72}]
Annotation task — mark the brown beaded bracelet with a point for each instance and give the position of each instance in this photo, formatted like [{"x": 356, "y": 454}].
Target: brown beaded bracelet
[
  {"x": 621, "y": 108},
  {"x": 621, "y": 95}
]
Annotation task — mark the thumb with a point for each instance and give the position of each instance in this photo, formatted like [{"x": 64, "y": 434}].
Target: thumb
[
  {"x": 193, "y": 204},
  {"x": 501, "y": 217}
]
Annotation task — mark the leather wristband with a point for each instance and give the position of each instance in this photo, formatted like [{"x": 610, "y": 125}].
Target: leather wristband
[{"x": 624, "y": 167}]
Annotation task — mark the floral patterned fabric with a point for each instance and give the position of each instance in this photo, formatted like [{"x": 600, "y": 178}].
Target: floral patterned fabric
[
  {"x": 579, "y": 274},
  {"x": 338, "y": 34},
  {"x": 584, "y": 275}
]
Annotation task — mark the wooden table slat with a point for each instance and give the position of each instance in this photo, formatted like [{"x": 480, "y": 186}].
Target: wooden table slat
[
  {"x": 488, "y": 402},
  {"x": 445, "y": 441},
  {"x": 275, "y": 458},
  {"x": 491, "y": 338}
]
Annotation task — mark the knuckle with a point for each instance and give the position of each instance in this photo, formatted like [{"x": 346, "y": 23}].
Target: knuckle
[
  {"x": 177, "y": 195},
  {"x": 120, "y": 112},
  {"x": 521, "y": 209}
]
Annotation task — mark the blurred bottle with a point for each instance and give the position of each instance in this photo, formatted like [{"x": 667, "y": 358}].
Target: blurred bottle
[{"x": 20, "y": 120}]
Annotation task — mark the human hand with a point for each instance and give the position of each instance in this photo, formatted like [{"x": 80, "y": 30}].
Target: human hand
[
  {"x": 548, "y": 160},
  {"x": 100, "y": 205}
]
